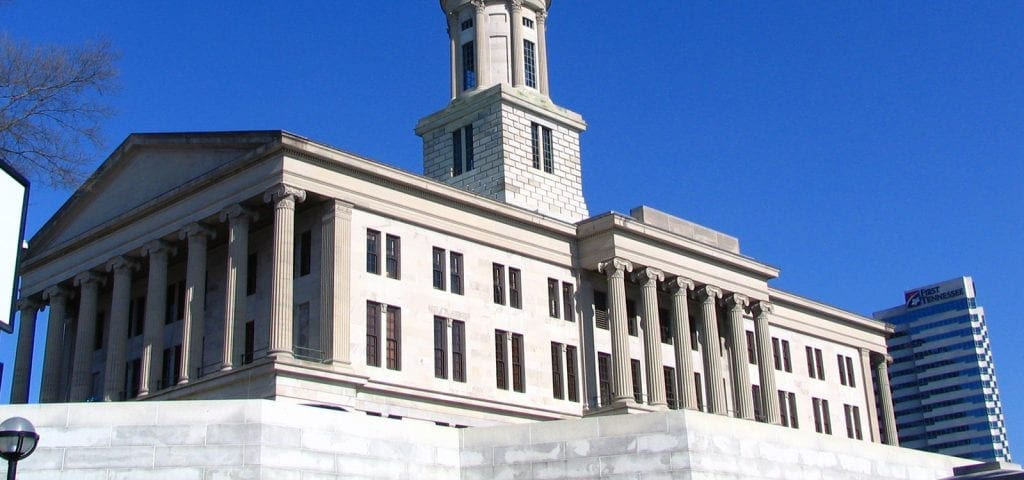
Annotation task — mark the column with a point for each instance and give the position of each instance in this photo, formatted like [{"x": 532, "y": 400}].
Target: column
[
  {"x": 712, "y": 351},
  {"x": 238, "y": 218},
  {"x": 766, "y": 363},
  {"x": 678, "y": 287},
  {"x": 193, "y": 320},
  {"x": 881, "y": 364},
  {"x": 335, "y": 244},
  {"x": 81, "y": 370},
  {"x": 120, "y": 305},
  {"x": 284, "y": 198},
  {"x": 615, "y": 269},
  {"x": 868, "y": 384},
  {"x": 58, "y": 295},
  {"x": 483, "y": 65},
  {"x": 453, "y": 35},
  {"x": 158, "y": 252},
  {"x": 518, "y": 72},
  {"x": 741, "y": 392},
  {"x": 542, "y": 52},
  {"x": 28, "y": 307},
  {"x": 648, "y": 279}
]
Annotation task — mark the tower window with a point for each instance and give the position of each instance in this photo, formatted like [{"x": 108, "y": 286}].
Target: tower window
[
  {"x": 467, "y": 24},
  {"x": 469, "y": 66},
  {"x": 543, "y": 152},
  {"x": 527, "y": 22},
  {"x": 462, "y": 150},
  {"x": 529, "y": 63}
]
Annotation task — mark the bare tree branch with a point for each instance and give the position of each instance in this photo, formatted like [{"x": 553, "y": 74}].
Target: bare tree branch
[{"x": 51, "y": 107}]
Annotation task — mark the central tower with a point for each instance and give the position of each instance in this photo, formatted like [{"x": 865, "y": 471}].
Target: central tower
[{"x": 501, "y": 136}]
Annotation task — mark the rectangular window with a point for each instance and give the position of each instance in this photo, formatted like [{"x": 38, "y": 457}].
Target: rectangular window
[
  {"x": 498, "y": 275},
  {"x": 530, "y": 63},
  {"x": 251, "y": 273},
  {"x": 571, "y": 377},
  {"x": 515, "y": 297},
  {"x": 467, "y": 24},
  {"x": 456, "y": 273},
  {"x": 670, "y": 387},
  {"x": 853, "y": 422},
  {"x": 393, "y": 256},
  {"x": 372, "y": 251},
  {"x": 568, "y": 305},
  {"x": 815, "y": 365},
  {"x": 439, "y": 273},
  {"x": 171, "y": 366},
  {"x": 819, "y": 363},
  {"x": 842, "y": 369},
  {"x": 518, "y": 366},
  {"x": 132, "y": 383},
  {"x": 557, "y": 388},
  {"x": 98, "y": 333},
  {"x": 535, "y": 147},
  {"x": 699, "y": 389},
  {"x": 631, "y": 326},
  {"x": 457, "y": 153},
  {"x": 846, "y": 373},
  {"x": 467, "y": 135},
  {"x": 665, "y": 326},
  {"x": 249, "y": 339},
  {"x": 751, "y": 355},
  {"x": 301, "y": 328},
  {"x": 440, "y": 347},
  {"x": 174, "y": 308},
  {"x": 305, "y": 252},
  {"x": 458, "y": 351},
  {"x": 694, "y": 338},
  {"x": 638, "y": 388},
  {"x": 549, "y": 153},
  {"x": 527, "y": 22},
  {"x": 601, "y": 310},
  {"x": 373, "y": 334},
  {"x": 501, "y": 358},
  {"x": 462, "y": 150},
  {"x": 553, "y": 294},
  {"x": 787, "y": 409},
  {"x": 137, "y": 310},
  {"x": 604, "y": 375},
  {"x": 468, "y": 66},
  {"x": 394, "y": 337},
  {"x": 822, "y": 420},
  {"x": 787, "y": 363},
  {"x": 755, "y": 392}
]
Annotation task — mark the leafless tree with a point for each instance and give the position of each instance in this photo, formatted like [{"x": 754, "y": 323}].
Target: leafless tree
[{"x": 51, "y": 107}]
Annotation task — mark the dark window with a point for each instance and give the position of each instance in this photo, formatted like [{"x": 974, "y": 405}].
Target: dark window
[
  {"x": 467, "y": 24},
  {"x": 468, "y": 136},
  {"x": 440, "y": 347},
  {"x": 568, "y": 305},
  {"x": 822, "y": 420},
  {"x": 776, "y": 354},
  {"x": 553, "y": 309},
  {"x": 758, "y": 405},
  {"x": 694, "y": 338},
  {"x": 570, "y": 373},
  {"x": 305, "y": 252},
  {"x": 456, "y": 273},
  {"x": 535, "y": 147},
  {"x": 515, "y": 297},
  {"x": 498, "y": 274},
  {"x": 853, "y": 422},
  {"x": 394, "y": 337},
  {"x": 529, "y": 63},
  {"x": 458, "y": 351},
  {"x": 699, "y": 388},
  {"x": 99, "y": 332},
  {"x": 631, "y": 318},
  {"x": 137, "y": 310},
  {"x": 373, "y": 334},
  {"x": 251, "y": 273},
  {"x": 556, "y": 371},
  {"x": 457, "y": 153},
  {"x": 670, "y": 387},
  {"x": 751, "y": 355},
  {"x": 518, "y": 368},
  {"x": 171, "y": 366},
  {"x": 527, "y": 22},
  {"x": 249, "y": 349},
  {"x": 549, "y": 160},
  {"x": 468, "y": 66},
  {"x": 372, "y": 251},
  {"x": 638, "y": 389},
  {"x": 787, "y": 409},
  {"x": 821, "y": 366},
  {"x": 787, "y": 361},
  {"x": 501, "y": 358},
  {"x": 601, "y": 310},
  {"x": 815, "y": 366},
  {"x": 665, "y": 326},
  {"x": 462, "y": 150},
  {"x": 604, "y": 374},
  {"x": 393, "y": 255},
  {"x": 842, "y": 369},
  {"x": 851, "y": 379},
  {"x": 439, "y": 274},
  {"x": 132, "y": 377},
  {"x": 174, "y": 306}
]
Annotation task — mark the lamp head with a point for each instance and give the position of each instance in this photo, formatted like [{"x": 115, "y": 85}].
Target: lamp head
[{"x": 18, "y": 439}]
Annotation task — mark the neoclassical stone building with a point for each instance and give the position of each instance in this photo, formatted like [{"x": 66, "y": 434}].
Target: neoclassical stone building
[{"x": 232, "y": 265}]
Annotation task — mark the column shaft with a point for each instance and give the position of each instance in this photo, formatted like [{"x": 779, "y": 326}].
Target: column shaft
[
  {"x": 120, "y": 303},
  {"x": 885, "y": 397},
  {"x": 193, "y": 321},
  {"x": 542, "y": 52},
  {"x": 687, "y": 393},
  {"x": 622, "y": 387},
  {"x": 283, "y": 198},
  {"x": 712, "y": 351},
  {"x": 483, "y": 65},
  {"x": 453, "y": 45},
  {"x": 153, "y": 330},
  {"x": 648, "y": 279},
  {"x": 741, "y": 391},
  {"x": 335, "y": 242},
  {"x": 23, "y": 358},
  {"x": 765, "y": 363},
  {"x": 81, "y": 371},
  {"x": 869, "y": 395},
  {"x": 518, "y": 70},
  {"x": 49, "y": 392},
  {"x": 238, "y": 219}
]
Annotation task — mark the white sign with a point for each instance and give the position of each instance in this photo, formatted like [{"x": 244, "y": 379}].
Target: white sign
[{"x": 14, "y": 198}]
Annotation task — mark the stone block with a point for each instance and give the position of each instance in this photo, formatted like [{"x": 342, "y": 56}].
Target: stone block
[
  {"x": 159, "y": 435},
  {"x": 600, "y": 446},
  {"x": 111, "y": 414},
  {"x": 100, "y": 457},
  {"x": 233, "y": 434},
  {"x": 181, "y": 473},
  {"x": 370, "y": 467},
  {"x": 76, "y": 437},
  {"x": 274, "y": 435},
  {"x": 495, "y": 436},
  {"x": 294, "y": 458},
  {"x": 613, "y": 425},
  {"x": 59, "y": 475},
  {"x": 538, "y": 452},
  {"x": 249, "y": 472},
  {"x": 627, "y": 464},
  {"x": 207, "y": 455}
]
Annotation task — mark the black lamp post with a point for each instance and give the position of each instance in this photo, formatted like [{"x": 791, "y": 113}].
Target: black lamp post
[{"x": 18, "y": 439}]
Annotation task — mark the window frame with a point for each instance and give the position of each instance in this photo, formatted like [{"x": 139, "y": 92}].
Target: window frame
[
  {"x": 373, "y": 251},
  {"x": 393, "y": 256}
]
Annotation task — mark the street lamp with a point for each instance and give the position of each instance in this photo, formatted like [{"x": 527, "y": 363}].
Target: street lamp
[{"x": 18, "y": 439}]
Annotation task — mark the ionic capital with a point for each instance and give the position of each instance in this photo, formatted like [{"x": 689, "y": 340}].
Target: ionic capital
[
  {"x": 677, "y": 285},
  {"x": 707, "y": 293},
  {"x": 57, "y": 292},
  {"x": 284, "y": 193},
  {"x": 29, "y": 305},
  {"x": 336, "y": 208},
  {"x": 479, "y": 5},
  {"x": 735, "y": 301},
  {"x": 542, "y": 16},
  {"x": 878, "y": 359},
  {"x": 89, "y": 277},
  {"x": 196, "y": 229},
  {"x": 157, "y": 248},
  {"x": 515, "y": 5},
  {"x": 648, "y": 276},
  {"x": 615, "y": 267},
  {"x": 761, "y": 308},
  {"x": 122, "y": 263},
  {"x": 239, "y": 212}
]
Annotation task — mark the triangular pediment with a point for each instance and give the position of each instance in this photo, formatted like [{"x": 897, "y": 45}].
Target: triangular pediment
[{"x": 144, "y": 168}]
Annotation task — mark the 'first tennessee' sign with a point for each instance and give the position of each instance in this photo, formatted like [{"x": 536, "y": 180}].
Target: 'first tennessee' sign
[{"x": 936, "y": 293}]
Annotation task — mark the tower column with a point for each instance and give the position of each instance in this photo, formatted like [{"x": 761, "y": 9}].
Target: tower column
[
  {"x": 542, "y": 52},
  {"x": 483, "y": 64},
  {"x": 453, "y": 36},
  {"x": 765, "y": 366},
  {"x": 881, "y": 363},
  {"x": 28, "y": 307},
  {"x": 120, "y": 305},
  {"x": 870, "y": 400},
  {"x": 193, "y": 320},
  {"x": 158, "y": 252},
  {"x": 712, "y": 351},
  {"x": 238, "y": 218},
  {"x": 678, "y": 287},
  {"x": 741, "y": 391},
  {"x": 81, "y": 371},
  {"x": 648, "y": 279},
  {"x": 615, "y": 269},
  {"x": 518, "y": 72},
  {"x": 58, "y": 295},
  {"x": 335, "y": 240},
  {"x": 284, "y": 198}
]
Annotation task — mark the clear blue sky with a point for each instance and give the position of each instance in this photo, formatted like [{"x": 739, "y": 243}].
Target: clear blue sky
[{"x": 862, "y": 147}]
